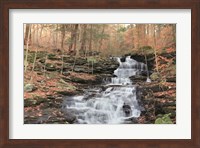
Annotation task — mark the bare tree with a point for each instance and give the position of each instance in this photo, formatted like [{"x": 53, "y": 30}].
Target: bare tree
[
  {"x": 155, "y": 51},
  {"x": 27, "y": 43},
  {"x": 27, "y": 36}
]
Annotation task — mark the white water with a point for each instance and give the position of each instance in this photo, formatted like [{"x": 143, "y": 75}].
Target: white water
[{"x": 114, "y": 105}]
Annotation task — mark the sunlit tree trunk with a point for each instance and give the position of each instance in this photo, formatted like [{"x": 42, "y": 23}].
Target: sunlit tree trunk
[
  {"x": 101, "y": 40},
  {"x": 90, "y": 41},
  {"x": 75, "y": 36},
  {"x": 63, "y": 27},
  {"x": 83, "y": 39},
  {"x": 27, "y": 43},
  {"x": 155, "y": 50},
  {"x": 26, "y": 38}
]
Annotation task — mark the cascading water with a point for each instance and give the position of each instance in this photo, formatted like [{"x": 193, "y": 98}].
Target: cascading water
[{"x": 116, "y": 104}]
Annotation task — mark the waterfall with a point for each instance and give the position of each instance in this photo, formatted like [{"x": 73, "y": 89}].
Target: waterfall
[{"x": 116, "y": 104}]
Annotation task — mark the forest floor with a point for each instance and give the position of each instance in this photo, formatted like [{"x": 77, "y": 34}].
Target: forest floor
[{"x": 44, "y": 88}]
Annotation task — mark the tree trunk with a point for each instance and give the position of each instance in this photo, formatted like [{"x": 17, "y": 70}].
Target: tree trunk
[
  {"x": 71, "y": 41},
  {"x": 83, "y": 40},
  {"x": 63, "y": 36},
  {"x": 101, "y": 40},
  {"x": 37, "y": 37},
  {"x": 174, "y": 32},
  {"x": 155, "y": 52},
  {"x": 138, "y": 36},
  {"x": 28, "y": 26},
  {"x": 72, "y": 46},
  {"x": 90, "y": 42},
  {"x": 27, "y": 43},
  {"x": 57, "y": 36},
  {"x": 75, "y": 36}
]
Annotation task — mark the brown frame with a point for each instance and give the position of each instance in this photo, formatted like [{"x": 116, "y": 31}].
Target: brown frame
[{"x": 5, "y": 5}]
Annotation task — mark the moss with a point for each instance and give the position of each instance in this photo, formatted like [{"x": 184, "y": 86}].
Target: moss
[
  {"x": 155, "y": 76},
  {"x": 30, "y": 102}
]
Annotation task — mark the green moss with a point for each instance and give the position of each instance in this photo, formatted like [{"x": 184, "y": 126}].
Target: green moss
[
  {"x": 165, "y": 119},
  {"x": 155, "y": 76}
]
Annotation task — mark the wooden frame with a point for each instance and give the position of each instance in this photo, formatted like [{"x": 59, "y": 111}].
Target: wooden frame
[{"x": 5, "y": 5}]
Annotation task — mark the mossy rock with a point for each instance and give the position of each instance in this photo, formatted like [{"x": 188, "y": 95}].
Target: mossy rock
[
  {"x": 155, "y": 76},
  {"x": 29, "y": 88},
  {"x": 29, "y": 102}
]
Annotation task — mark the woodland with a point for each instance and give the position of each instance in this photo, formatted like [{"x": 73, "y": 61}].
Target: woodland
[{"x": 99, "y": 73}]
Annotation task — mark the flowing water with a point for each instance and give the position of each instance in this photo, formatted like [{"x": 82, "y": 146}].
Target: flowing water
[{"x": 116, "y": 104}]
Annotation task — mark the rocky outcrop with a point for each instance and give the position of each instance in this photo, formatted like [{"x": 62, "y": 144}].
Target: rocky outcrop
[{"x": 156, "y": 100}]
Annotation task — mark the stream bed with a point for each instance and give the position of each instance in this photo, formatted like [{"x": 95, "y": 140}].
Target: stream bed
[{"x": 114, "y": 102}]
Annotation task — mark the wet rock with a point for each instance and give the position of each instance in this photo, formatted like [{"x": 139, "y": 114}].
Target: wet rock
[
  {"x": 68, "y": 103},
  {"x": 131, "y": 121},
  {"x": 138, "y": 78},
  {"x": 123, "y": 59},
  {"x": 89, "y": 96},
  {"x": 69, "y": 117},
  {"x": 50, "y": 67},
  {"x": 29, "y": 88},
  {"x": 127, "y": 109}
]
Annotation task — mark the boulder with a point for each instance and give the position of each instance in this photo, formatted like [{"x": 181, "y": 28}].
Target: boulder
[
  {"x": 50, "y": 67},
  {"x": 126, "y": 109},
  {"x": 155, "y": 76},
  {"x": 69, "y": 117},
  {"x": 29, "y": 88}
]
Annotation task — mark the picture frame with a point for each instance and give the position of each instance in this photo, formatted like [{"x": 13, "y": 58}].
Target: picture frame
[{"x": 194, "y": 5}]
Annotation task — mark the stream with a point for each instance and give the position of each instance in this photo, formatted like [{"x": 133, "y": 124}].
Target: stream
[{"x": 115, "y": 102}]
